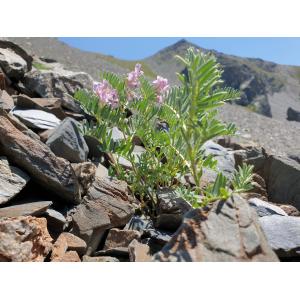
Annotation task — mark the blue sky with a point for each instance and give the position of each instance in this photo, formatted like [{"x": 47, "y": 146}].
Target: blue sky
[{"x": 279, "y": 50}]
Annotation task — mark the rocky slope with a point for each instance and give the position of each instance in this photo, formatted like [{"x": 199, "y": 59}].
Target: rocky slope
[{"x": 58, "y": 204}]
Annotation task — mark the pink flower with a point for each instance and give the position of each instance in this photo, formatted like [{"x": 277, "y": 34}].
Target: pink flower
[
  {"x": 106, "y": 93},
  {"x": 161, "y": 85},
  {"x": 133, "y": 77}
]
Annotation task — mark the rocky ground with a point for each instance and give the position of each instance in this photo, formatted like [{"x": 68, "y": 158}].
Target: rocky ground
[{"x": 58, "y": 204}]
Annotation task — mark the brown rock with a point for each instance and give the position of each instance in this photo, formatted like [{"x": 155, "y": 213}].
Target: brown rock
[
  {"x": 6, "y": 101},
  {"x": 51, "y": 105},
  {"x": 33, "y": 209},
  {"x": 74, "y": 242},
  {"x": 139, "y": 252},
  {"x": 87, "y": 258},
  {"x": 85, "y": 174},
  {"x": 44, "y": 135},
  {"x": 120, "y": 238},
  {"x": 290, "y": 210},
  {"x": 69, "y": 256},
  {"x": 24, "y": 239},
  {"x": 229, "y": 231},
  {"x": 54, "y": 173},
  {"x": 105, "y": 207}
]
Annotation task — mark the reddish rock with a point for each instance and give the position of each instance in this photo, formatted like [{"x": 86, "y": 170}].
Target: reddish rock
[{"x": 24, "y": 239}]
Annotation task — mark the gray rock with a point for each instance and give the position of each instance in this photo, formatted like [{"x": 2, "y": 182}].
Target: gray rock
[
  {"x": 283, "y": 234},
  {"x": 170, "y": 210},
  {"x": 55, "y": 220},
  {"x": 51, "y": 172},
  {"x": 33, "y": 209},
  {"x": 264, "y": 208},
  {"x": 225, "y": 158},
  {"x": 139, "y": 223},
  {"x": 94, "y": 147},
  {"x": 35, "y": 118},
  {"x": 58, "y": 83},
  {"x": 293, "y": 115},
  {"x": 101, "y": 171},
  {"x": 282, "y": 177},
  {"x": 87, "y": 258},
  {"x": 67, "y": 141},
  {"x": 229, "y": 231},
  {"x": 158, "y": 236},
  {"x": 106, "y": 206},
  {"x": 12, "y": 180}
]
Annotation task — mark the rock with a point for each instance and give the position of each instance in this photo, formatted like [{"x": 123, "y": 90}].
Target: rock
[
  {"x": 229, "y": 231},
  {"x": 87, "y": 258},
  {"x": 55, "y": 220},
  {"x": 120, "y": 238},
  {"x": 139, "y": 252},
  {"x": 105, "y": 207},
  {"x": 50, "y": 105},
  {"x": 6, "y": 101},
  {"x": 258, "y": 187},
  {"x": 53, "y": 173},
  {"x": 290, "y": 210},
  {"x": 12, "y": 180},
  {"x": 158, "y": 236},
  {"x": 121, "y": 253},
  {"x": 94, "y": 147},
  {"x": 13, "y": 64},
  {"x": 225, "y": 159},
  {"x": 58, "y": 83},
  {"x": 283, "y": 234},
  {"x": 33, "y": 209},
  {"x": 139, "y": 223},
  {"x": 35, "y": 118},
  {"x": 170, "y": 210},
  {"x": 44, "y": 135},
  {"x": 67, "y": 141},
  {"x": 65, "y": 243},
  {"x": 101, "y": 171},
  {"x": 293, "y": 115},
  {"x": 69, "y": 256},
  {"x": 24, "y": 239},
  {"x": 264, "y": 208},
  {"x": 283, "y": 180}
]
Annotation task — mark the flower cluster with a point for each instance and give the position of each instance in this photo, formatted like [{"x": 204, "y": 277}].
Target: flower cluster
[
  {"x": 161, "y": 86},
  {"x": 133, "y": 77},
  {"x": 106, "y": 93}
]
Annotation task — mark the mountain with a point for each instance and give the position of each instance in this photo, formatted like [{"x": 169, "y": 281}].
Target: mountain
[{"x": 266, "y": 88}]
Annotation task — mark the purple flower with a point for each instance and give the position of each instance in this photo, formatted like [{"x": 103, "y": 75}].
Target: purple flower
[
  {"x": 133, "y": 77},
  {"x": 106, "y": 93}
]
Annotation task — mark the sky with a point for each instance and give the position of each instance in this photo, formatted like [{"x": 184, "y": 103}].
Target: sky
[{"x": 279, "y": 50}]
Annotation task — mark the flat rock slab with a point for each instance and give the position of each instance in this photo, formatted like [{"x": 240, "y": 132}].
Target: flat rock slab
[
  {"x": 283, "y": 234},
  {"x": 12, "y": 180},
  {"x": 33, "y": 209},
  {"x": 264, "y": 208},
  {"x": 229, "y": 231},
  {"x": 53, "y": 173},
  {"x": 35, "y": 118},
  {"x": 24, "y": 239}
]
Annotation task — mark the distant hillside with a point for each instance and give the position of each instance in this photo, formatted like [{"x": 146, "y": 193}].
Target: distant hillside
[{"x": 266, "y": 87}]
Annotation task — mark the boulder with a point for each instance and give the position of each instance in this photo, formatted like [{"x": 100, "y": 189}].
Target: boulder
[
  {"x": 53, "y": 173},
  {"x": 58, "y": 83},
  {"x": 12, "y": 180},
  {"x": 67, "y": 141},
  {"x": 170, "y": 210},
  {"x": 24, "y": 239},
  {"x": 293, "y": 115},
  {"x": 35, "y": 118},
  {"x": 139, "y": 252},
  {"x": 33, "y": 209},
  {"x": 50, "y": 105},
  {"x": 283, "y": 234},
  {"x": 264, "y": 208},
  {"x": 228, "y": 231},
  {"x": 105, "y": 206},
  {"x": 6, "y": 101},
  {"x": 14, "y": 61},
  {"x": 120, "y": 238}
]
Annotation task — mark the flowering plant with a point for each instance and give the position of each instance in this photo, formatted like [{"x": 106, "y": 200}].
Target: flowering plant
[{"x": 172, "y": 124}]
